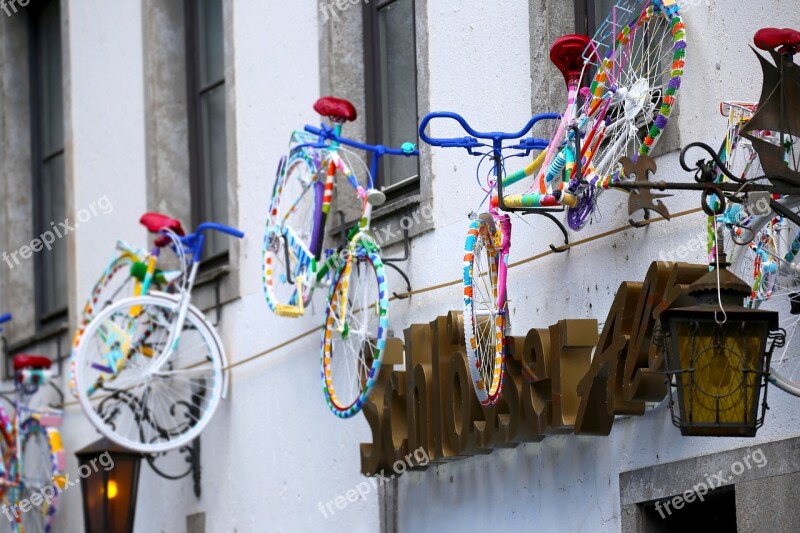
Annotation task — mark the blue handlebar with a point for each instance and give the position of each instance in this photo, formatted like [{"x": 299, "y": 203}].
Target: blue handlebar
[
  {"x": 327, "y": 133},
  {"x": 497, "y": 137},
  {"x": 219, "y": 227},
  {"x": 5, "y": 318},
  {"x": 194, "y": 241}
]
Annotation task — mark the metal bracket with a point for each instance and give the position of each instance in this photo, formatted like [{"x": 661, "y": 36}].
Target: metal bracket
[
  {"x": 217, "y": 304},
  {"x": 342, "y": 228},
  {"x": 389, "y": 261},
  {"x": 643, "y": 199},
  {"x": 639, "y": 225},
  {"x": 192, "y": 452}
]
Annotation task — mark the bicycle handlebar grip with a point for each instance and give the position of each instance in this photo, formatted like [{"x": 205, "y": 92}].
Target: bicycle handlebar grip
[
  {"x": 221, "y": 228},
  {"x": 522, "y": 201},
  {"x": 5, "y": 318},
  {"x": 312, "y": 129},
  {"x": 448, "y": 142}
]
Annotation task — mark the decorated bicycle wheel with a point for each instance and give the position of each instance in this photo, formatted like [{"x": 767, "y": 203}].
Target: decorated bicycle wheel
[
  {"x": 633, "y": 93},
  {"x": 39, "y": 469},
  {"x": 483, "y": 321},
  {"x": 290, "y": 233},
  {"x": 142, "y": 386},
  {"x": 769, "y": 265},
  {"x": 741, "y": 160},
  {"x": 115, "y": 283},
  {"x": 355, "y": 329}
]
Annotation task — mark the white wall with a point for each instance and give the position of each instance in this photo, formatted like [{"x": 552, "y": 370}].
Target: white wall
[{"x": 273, "y": 451}]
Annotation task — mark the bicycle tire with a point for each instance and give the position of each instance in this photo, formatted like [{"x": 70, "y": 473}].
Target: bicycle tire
[
  {"x": 484, "y": 323},
  {"x": 785, "y": 362},
  {"x": 39, "y": 469},
  {"x": 289, "y": 232},
  {"x": 641, "y": 99},
  {"x": 184, "y": 384},
  {"x": 359, "y": 284},
  {"x": 108, "y": 288}
]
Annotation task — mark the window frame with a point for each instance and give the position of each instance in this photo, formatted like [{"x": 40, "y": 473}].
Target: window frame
[
  {"x": 585, "y": 22},
  {"x": 44, "y": 317},
  {"x": 198, "y": 168},
  {"x": 373, "y": 91}
]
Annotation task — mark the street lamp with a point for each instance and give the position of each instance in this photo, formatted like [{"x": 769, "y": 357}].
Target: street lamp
[
  {"x": 718, "y": 352},
  {"x": 109, "y": 496}
]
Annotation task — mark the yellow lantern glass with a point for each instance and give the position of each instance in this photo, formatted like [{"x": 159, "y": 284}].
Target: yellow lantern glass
[{"x": 719, "y": 369}]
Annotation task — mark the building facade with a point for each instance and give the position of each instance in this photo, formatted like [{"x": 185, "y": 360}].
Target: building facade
[{"x": 112, "y": 109}]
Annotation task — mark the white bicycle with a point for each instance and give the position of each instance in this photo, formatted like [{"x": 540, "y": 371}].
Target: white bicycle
[{"x": 150, "y": 370}]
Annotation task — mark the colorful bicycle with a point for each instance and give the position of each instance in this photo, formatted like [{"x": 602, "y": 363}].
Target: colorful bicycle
[
  {"x": 761, "y": 146},
  {"x": 130, "y": 273},
  {"x": 624, "y": 112},
  {"x": 295, "y": 260},
  {"x": 150, "y": 370},
  {"x": 636, "y": 60},
  {"x": 33, "y": 454}
]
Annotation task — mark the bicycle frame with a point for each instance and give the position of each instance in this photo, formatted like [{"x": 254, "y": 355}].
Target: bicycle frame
[
  {"x": 189, "y": 250},
  {"x": 309, "y": 258},
  {"x": 497, "y": 139}
]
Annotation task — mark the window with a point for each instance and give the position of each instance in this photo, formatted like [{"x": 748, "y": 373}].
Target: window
[
  {"x": 391, "y": 89},
  {"x": 47, "y": 137},
  {"x": 591, "y": 13},
  {"x": 716, "y": 512},
  {"x": 207, "y": 140}
]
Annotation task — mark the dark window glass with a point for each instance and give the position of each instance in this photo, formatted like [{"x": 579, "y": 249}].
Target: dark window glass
[
  {"x": 47, "y": 132},
  {"x": 391, "y": 88},
  {"x": 208, "y": 152},
  {"x": 589, "y": 14}
]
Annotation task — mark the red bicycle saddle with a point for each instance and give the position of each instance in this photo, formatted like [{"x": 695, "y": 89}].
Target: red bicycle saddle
[
  {"x": 336, "y": 109},
  {"x": 24, "y": 361},
  {"x": 567, "y": 54},
  {"x": 786, "y": 40},
  {"x": 155, "y": 222}
]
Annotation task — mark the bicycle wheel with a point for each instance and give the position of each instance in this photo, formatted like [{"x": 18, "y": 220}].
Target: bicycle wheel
[
  {"x": 38, "y": 470},
  {"x": 289, "y": 235},
  {"x": 134, "y": 398},
  {"x": 741, "y": 159},
  {"x": 354, "y": 334},
  {"x": 633, "y": 95},
  {"x": 769, "y": 264},
  {"x": 483, "y": 321},
  {"x": 115, "y": 283}
]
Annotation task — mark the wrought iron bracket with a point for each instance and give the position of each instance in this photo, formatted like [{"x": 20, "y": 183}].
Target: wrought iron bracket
[
  {"x": 387, "y": 261},
  {"x": 390, "y": 262},
  {"x": 543, "y": 211},
  {"x": 192, "y": 453}
]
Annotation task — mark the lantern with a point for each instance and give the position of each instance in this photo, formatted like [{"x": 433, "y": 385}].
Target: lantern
[
  {"x": 718, "y": 353},
  {"x": 109, "y": 492}
]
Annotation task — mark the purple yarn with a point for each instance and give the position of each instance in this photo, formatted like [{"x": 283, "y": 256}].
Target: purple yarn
[
  {"x": 578, "y": 215},
  {"x": 674, "y": 83},
  {"x": 680, "y": 45},
  {"x": 661, "y": 122}
]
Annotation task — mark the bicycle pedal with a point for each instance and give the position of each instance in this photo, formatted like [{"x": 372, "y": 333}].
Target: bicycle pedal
[{"x": 290, "y": 311}]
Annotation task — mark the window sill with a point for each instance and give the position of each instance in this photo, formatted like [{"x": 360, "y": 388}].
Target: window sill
[{"x": 390, "y": 219}]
